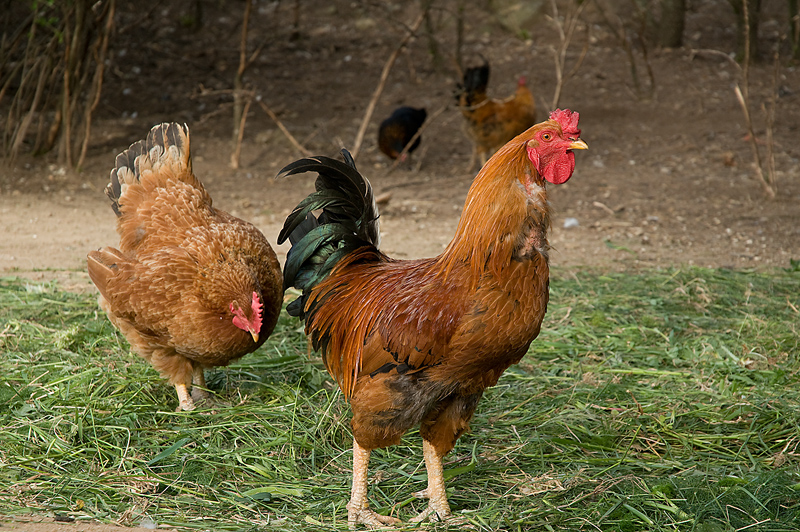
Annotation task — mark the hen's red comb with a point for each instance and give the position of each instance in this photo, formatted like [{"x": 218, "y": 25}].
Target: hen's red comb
[{"x": 568, "y": 121}]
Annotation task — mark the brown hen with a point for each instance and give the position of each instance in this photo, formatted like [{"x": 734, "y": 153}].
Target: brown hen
[
  {"x": 491, "y": 123},
  {"x": 190, "y": 286}
]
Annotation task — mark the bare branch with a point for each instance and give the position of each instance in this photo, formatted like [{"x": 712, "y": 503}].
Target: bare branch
[
  {"x": 382, "y": 83},
  {"x": 285, "y": 131},
  {"x": 237, "y": 150},
  {"x": 97, "y": 84},
  {"x": 565, "y": 38},
  {"x": 238, "y": 83},
  {"x": 753, "y": 142}
]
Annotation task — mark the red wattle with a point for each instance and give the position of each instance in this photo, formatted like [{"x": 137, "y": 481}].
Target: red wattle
[{"x": 560, "y": 170}]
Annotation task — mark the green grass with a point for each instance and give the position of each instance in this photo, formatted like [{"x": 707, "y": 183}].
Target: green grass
[{"x": 660, "y": 400}]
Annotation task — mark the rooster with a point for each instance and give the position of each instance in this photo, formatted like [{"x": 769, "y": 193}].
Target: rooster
[
  {"x": 190, "y": 286},
  {"x": 397, "y": 131},
  {"x": 491, "y": 123},
  {"x": 416, "y": 342}
]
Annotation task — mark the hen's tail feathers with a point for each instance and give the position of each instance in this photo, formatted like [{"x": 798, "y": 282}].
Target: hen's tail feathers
[
  {"x": 349, "y": 220},
  {"x": 165, "y": 153}
]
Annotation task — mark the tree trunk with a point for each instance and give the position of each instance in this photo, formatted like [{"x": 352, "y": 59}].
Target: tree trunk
[
  {"x": 670, "y": 31},
  {"x": 794, "y": 27}
]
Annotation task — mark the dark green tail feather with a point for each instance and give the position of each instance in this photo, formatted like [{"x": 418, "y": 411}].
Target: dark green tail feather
[{"x": 349, "y": 221}]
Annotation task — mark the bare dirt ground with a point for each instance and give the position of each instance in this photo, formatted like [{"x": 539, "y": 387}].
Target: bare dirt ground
[{"x": 668, "y": 179}]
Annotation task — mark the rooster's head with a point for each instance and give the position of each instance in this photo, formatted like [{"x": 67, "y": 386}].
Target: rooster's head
[{"x": 550, "y": 149}]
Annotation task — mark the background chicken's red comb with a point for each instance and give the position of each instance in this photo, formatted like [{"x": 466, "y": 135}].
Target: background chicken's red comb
[{"x": 567, "y": 120}]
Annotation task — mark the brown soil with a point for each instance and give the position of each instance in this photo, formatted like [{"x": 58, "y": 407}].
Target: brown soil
[
  {"x": 668, "y": 179},
  {"x": 48, "y": 524}
]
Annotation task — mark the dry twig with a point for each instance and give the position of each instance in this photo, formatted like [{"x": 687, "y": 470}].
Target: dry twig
[
  {"x": 59, "y": 59},
  {"x": 285, "y": 131},
  {"x": 237, "y": 150},
  {"x": 382, "y": 83}
]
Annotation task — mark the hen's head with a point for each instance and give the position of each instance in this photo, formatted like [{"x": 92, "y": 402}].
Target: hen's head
[
  {"x": 550, "y": 149},
  {"x": 248, "y": 319}
]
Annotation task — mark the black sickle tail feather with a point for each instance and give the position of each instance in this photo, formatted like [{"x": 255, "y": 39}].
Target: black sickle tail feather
[{"x": 349, "y": 220}]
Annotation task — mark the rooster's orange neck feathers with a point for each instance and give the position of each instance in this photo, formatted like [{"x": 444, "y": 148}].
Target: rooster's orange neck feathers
[{"x": 508, "y": 198}]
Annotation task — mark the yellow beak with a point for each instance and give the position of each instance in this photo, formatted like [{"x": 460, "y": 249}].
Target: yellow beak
[
  {"x": 578, "y": 145},
  {"x": 254, "y": 334}
]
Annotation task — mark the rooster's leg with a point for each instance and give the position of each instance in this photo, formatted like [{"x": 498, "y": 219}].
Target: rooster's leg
[
  {"x": 199, "y": 392},
  {"x": 184, "y": 399},
  {"x": 438, "y": 507},
  {"x": 358, "y": 508}
]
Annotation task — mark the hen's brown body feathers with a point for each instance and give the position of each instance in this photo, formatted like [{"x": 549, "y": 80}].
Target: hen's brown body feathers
[{"x": 181, "y": 265}]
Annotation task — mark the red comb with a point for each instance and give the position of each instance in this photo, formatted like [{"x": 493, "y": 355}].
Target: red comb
[
  {"x": 257, "y": 308},
  {"x": 567, "y": 120}
]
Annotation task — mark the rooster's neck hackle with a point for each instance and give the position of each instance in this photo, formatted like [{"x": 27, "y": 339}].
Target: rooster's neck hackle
[{"x": 505, "y": 217}]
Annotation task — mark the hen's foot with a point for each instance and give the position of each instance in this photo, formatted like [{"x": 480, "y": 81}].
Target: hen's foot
[
  {"x": 199, "y": 394},
  {"x": 185, "y": 406},
  {"x": 203, "y": 399},
  {"x": 369, "y": 518}
]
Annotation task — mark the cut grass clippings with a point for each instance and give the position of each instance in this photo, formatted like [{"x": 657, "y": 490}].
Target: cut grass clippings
[{"x": 658, "y": 400}]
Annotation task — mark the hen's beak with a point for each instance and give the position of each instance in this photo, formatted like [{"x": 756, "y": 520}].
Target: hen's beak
[
  {"x": 254, "y": 334},
  {"x": 578, "y": 145}
]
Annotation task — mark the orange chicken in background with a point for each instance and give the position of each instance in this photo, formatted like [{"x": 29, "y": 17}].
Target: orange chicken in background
[
  {"x": 189, "y": 286},
  {"x": 491, "y": 123},
  {"x": 416, "y": 342}
]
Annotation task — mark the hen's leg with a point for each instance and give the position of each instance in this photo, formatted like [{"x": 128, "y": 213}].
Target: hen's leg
[
  {"x": 358, "y": 508},
  {"x": 184, "y": 399},
  {"x": 199, "y": 392},
  {"x": 438, "y": 507}
]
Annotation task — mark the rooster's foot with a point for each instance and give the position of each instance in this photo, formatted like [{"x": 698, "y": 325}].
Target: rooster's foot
[
  {"x": 369, "y": 518},
  {"x": 434, "y": 515}
]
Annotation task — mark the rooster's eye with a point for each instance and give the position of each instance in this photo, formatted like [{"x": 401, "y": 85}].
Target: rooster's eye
[{"x": 546, "y": 136}]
